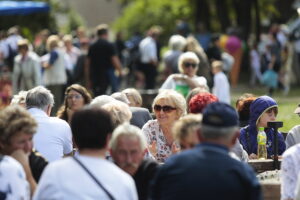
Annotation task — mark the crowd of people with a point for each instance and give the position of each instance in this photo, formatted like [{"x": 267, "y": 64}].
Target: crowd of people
[{"x": 71, "y": 131}]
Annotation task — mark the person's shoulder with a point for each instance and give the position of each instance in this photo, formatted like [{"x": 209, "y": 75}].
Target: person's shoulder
[
  {"x": 10, "y": 164},
  {"x": 115, "y": 171},
  {"x": 295, "y": 130},
  {"x": 58, "y": 121},
  {"x": 291, "y": 151}
]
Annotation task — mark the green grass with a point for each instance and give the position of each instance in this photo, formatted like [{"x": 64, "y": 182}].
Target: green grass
[{"x": 286, "y": 103}]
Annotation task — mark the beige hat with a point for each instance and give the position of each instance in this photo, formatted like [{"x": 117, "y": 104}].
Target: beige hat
[{"x": 297, "y": 111}]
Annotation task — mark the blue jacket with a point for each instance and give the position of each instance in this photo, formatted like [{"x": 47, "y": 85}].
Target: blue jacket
[
  {"x": 205, "y": 172},
  {"x": 248, "y": 134}
]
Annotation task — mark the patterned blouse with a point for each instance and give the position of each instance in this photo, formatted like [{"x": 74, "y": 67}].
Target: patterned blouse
[
  {"x": 153, "y": 132},
  {"x": 290, "y": 168}
]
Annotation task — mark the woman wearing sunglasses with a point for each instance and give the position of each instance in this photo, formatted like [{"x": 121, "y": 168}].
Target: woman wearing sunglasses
[
  {"x": 168, "y": 106},
  {"x": 76, "y": 96},
  {"x": 187, "y": 79}
]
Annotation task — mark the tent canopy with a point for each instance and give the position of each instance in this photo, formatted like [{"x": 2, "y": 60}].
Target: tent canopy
[{"x": 22, "y": 7}]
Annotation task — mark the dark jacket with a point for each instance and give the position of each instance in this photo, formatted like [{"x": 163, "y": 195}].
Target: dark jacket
[
  {"x": 205, "y": 172},
  {"x": 248, "y": 134}
]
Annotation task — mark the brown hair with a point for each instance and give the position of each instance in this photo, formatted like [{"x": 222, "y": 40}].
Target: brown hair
[
  {"x": 15, "y": 119},
  {"x": 62, "y": 112}
]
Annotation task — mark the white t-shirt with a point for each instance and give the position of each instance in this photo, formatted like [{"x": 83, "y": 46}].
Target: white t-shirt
[
  {"x": 66, "y": 179},
  {"x": 13, "y": 184},
  {"x": 221, "y": 87},
  {"x": 148, "y": 50},
  {"x": 53, "y": 138},
  {"x": 182, "y": 86}
]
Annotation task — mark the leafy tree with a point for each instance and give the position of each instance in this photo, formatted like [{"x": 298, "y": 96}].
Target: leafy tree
[
  {"x": 140, "y": 15},
  {"x": 216, "y": 15}
]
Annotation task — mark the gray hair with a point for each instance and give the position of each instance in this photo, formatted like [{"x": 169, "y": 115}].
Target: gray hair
[
  {"x": 211, "y": 132},
  {"x": 119, "y": 112},
  {"x": 39, "y": 97},
  {"x": 102, "y": 100},
  {"x": 129, "y": 131},
  {"x": 187, "y": 56},
  {"x": 173, "y": 97},
  {"x": 177, "y": 42},
  {"x": 120, "y": 97}
]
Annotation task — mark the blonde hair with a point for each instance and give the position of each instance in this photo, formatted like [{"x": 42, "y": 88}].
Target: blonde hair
[
  {"x": 133, "y": 96},
  {"x": 52, "y": 42},
  {"x": 217, "y": 65},
  {"x": 119, "y": 112},
  {"x": 187, "y": 56},
  {"x": 186, "y": 125},
  {"x": 15, "y": 119},
  {"x": 173, "y": 97}
]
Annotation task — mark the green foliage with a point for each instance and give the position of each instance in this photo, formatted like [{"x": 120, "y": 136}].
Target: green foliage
[
  {"x": 140, "y": 15},
  {"x": 74, "y": 21}
]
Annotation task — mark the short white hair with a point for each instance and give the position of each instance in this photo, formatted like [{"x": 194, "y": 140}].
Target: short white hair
[
  {"x": 102, "y": 100},
  {"x": 187, "y": 56},
  {"x": 177, "y": 42},
  {"x": 19, "y": 98},
  {"x": 39, "y": 97},
  {"x": 127, "y": 130}
]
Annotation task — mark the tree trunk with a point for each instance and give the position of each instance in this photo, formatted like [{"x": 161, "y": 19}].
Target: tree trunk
[
  {"x": 223, "y": 14},
  {"x": 202, "y": 13}
]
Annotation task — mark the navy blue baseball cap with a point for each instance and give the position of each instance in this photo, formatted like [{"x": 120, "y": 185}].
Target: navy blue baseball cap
[{"x": 220, "y": 114}]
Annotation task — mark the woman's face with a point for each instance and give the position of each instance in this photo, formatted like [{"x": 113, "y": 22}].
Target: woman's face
[
  {"x": 165, "y": 112},
  {"x": 189, "y": 67},
  {"x": 20, "y": 140},
  {"x": 268, "y": 116},
  {"x": 75, "y": 100}
]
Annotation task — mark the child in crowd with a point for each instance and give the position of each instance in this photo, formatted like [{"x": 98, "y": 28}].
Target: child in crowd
[
  {"x": 262, "y": 110},
  {"x": 221, "y": 84}
]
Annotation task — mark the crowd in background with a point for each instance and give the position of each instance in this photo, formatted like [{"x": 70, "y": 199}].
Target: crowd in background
[{"x": 75, "y": 97}]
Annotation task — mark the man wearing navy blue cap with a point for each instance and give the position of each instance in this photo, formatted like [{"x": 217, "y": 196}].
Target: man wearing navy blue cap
[{"x": 207, "y": 171}]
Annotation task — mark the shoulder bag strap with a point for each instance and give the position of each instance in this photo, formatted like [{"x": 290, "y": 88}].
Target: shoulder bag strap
[{"x": 93, "y": 177}]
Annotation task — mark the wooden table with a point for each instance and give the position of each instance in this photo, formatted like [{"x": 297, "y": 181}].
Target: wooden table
[{"x": 262, "y": 165}]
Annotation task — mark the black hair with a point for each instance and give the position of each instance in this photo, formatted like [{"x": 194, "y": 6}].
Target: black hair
[{"x": 90, "y": 127}]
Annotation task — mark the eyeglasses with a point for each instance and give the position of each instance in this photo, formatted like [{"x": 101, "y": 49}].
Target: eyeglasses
[
  {"x": 75, "y": 96},
  {"x": 166, "y": 109},
  {"x": 188, "y": 64}
]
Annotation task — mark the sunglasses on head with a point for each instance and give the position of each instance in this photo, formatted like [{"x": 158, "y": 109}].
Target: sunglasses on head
[
  {"x": 164, "y": 108},
  {"x": 188, "y": 64}
]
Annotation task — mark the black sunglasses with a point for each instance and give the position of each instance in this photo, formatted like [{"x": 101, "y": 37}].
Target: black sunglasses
[
  {"x": 164, "y": 108},
  {"x": 188, "y": 64}
]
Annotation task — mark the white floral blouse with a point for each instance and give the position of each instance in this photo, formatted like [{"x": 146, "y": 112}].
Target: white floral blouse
[{"x": 153, "y": 132}]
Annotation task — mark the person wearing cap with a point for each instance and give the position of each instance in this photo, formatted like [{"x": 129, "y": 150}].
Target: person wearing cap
[
  {"x": 207, "y": 171},
  {"x": 264, "y": 109},
  {"x": 293, "y": 136},
  {"x": 27, "y": 68}
]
